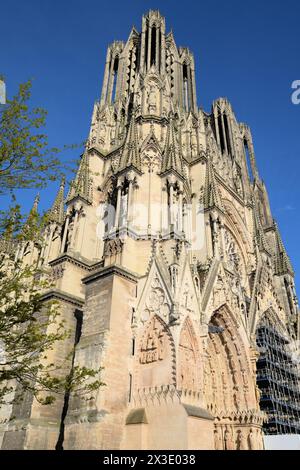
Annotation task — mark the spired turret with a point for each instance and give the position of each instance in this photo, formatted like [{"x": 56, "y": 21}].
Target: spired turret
[{"x": 168, "y": 249}]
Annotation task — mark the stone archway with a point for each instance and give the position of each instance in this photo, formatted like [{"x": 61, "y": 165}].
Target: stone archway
[{"x": 229, "y": 385}]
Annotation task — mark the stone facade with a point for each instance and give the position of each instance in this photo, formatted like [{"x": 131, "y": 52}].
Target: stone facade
[{"x": 167, "y": 246}]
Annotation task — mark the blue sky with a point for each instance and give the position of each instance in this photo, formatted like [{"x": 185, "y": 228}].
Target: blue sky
[{"x": 246, "y": 51}]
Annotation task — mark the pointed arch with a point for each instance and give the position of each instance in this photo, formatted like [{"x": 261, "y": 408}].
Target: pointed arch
[
  {"x": 237, "y": 225},
  {"x": 155, "y": 362},
  {"x": 188, "y": 359},
  {"x": 230, "y": 385}
]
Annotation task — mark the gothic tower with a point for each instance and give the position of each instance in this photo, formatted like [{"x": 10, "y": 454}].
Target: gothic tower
[{"x": 166, "y": 261}]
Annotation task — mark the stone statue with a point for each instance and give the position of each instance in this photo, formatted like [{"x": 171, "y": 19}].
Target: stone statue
[
  {"x": 151, "y": 99},
  {"x": 252, "y": 440},
  {"x": 242, "y": 441},
  {"x": 218, "y": 440},
  {"x": 229, "y": 441}
]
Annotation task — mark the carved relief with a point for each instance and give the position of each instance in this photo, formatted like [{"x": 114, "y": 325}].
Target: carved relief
[
  {"x": 187, "y": 359},
  {"x": 229, "y": 439},
  {"x": 153, "y": 343},
  {"x": 232, "y": 252},
  {"x": 156, "y": 302},
  {"x": 151, "y": 99},
  {"x": 113, "y": 247},
  {"x": 242, "y": 440},
  {"x": 187, "y": 298},
  {"x": 219, "y": 295},
  {"x": 151, "y": 160},
  {"x": 218, "y": 439},
  {"x": 57, "y": 272},
  {"x": 155, "y": 364}
]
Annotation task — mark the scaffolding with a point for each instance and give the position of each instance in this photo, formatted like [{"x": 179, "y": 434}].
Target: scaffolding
[{"x": 278, "y": 378}]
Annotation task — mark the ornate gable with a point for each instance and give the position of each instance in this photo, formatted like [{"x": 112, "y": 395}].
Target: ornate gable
[{"x": 156, "y": 298}]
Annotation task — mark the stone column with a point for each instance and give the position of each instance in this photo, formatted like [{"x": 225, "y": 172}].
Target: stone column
[
  {"x": 74, "y": 226},
  {"x": 149, "y": 46},
  {"x": 171, "y": 203},
  {"x": 224, "y": 133},
  {"x": 111, "y": 80},
  {"x": 149, "y": 199},
  {"x": 217, "y": 126},
  {"x": 163, "y": 51},
  {"x": 117, "y": 216},
  {"x": 130, "y": 178},
  {"x": 157, "y": 50},
  {"x": 180, "y": 210},
  {"x": 63, "y": 243},
  {"x": 164, "y": 209},
  {"x": 49, "y": 241},
  {"x": 105, "y": 80},
  {"x": 143, "y": 45}
]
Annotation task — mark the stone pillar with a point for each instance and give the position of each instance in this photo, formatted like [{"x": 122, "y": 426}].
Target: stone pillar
[
  {"x": 171, "y": 202},
  {"x": 106, "y": 341},
  {"x": 224, "y": 133},
  {"x": 35, "y": 426},
  {"x": 217, "y": 126},
  {"x": 74, "y": 226},
  {"x": 63, "y": 243},
  {"x": 49, "y": 241},
  {"x": 149, "y": 199},
  {"x": 163, "y": 51},
  {"x": 105, "y": 80},
  {"x": 111, "y": 80},
  {"x": 117, "y": 216},
  {"x": 130, "y": 178},
  {"x": 149, "y": 46},
  {"x": 157, "y": 50},
  {"x": 164, "y": 210},
  {"x": 180, "y": 210}
]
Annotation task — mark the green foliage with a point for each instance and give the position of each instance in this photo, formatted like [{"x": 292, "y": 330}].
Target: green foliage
[
  {"x": 30, "y": 327},
  {"x": 26, "y": 160}
]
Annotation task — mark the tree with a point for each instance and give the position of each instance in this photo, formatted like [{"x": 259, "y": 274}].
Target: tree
[
  {"x": 25, "y": 157},
  {"x": 29, "y": 327}
]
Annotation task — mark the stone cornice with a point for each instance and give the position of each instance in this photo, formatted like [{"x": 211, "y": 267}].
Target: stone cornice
[
  {"x": 66, "y": 257},
  {"x": 64, "y": 296},
  {"x": 111, "y": 270}
]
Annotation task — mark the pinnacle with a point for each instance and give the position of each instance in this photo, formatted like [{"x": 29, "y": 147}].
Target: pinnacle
[
  {"x": 81, "y": 186},
  {"x": 56, "y": 213},
  {"x": 282, "y": 261},
  {"x": 171, "y": 156},
  {"x": 131, "y": 155},
  {"x": 212, "y": 198}
]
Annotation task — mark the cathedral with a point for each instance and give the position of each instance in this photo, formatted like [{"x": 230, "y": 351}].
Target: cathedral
[{"x": 169, "y": 270}]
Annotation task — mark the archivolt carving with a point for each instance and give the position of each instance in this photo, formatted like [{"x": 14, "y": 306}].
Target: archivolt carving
[{"x": 229, "y": 378}]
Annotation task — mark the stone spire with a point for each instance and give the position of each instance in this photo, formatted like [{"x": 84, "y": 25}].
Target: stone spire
[
  {"x": 282, "y": 261},
  {"x": 171, "y": 155},
  {"x": 131, "y": 155},
  {"x": 211, "y": 197},
  {"x": 56, "y": 213},
  {"x": 81, "y": 186},
  {"x": 27, "y": 227}
]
